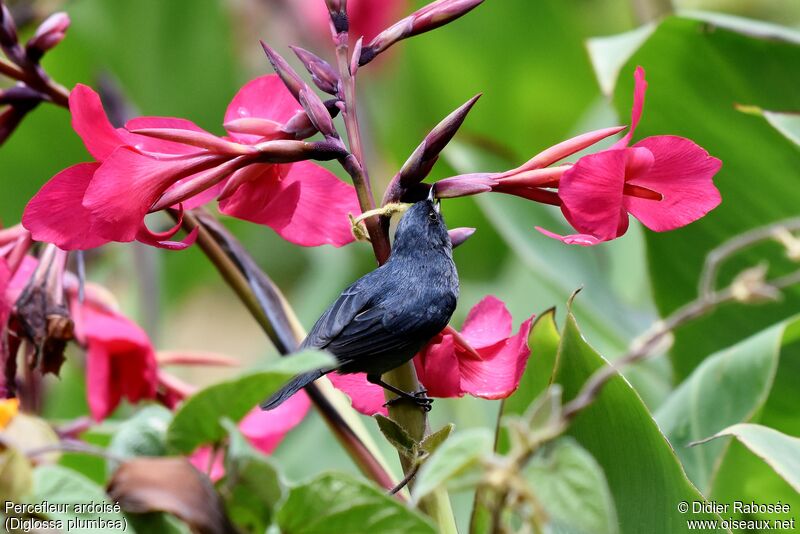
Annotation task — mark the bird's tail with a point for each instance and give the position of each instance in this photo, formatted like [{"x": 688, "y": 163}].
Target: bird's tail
[{"x": 293, "y": 386}]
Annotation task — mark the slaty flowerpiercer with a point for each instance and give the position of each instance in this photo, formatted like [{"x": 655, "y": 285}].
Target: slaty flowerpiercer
[{"x": 384, "y": 318}]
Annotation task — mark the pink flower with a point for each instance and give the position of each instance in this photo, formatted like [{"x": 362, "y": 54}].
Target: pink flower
[
  {"x": 446, "y": 369},
  {"x": 664, "y": 181},
  {"x": 264, "y": 431},
  {"x": 156, "y": 163},
  {"x": 120, "y": 360}
]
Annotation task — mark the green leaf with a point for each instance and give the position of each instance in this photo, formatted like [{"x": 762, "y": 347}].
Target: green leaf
[
  {"x": 786, "y": 123},
  {"x": 59, "y": 485},
  {"x": 197, "y": 421},
  {"x": 729, "y": 387},
  {"x": 780, "y": 451},
  {"x": 684, "y": 99},
  {"x": 144, "y": 434},
  {"x": 457, "y": 457},
  {"x": 334, "y": 503},
  {"x": 572, "y": 489},
  {"x": 431, "y": 442},
  {"x": 252, "y": 485},
  {"x": 397, "y": 436},
  {"x": 751, "y": 382},
  {"x": 645, "y": 477},
  {"x": 609, "y": 54}
]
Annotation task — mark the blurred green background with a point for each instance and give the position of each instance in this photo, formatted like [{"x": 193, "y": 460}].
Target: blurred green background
[{"x": 187, "y": 58}]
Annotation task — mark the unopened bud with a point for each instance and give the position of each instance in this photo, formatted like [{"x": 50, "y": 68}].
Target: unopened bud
[
  {"x": 459, "y": 235},
  {"x": 323, "y": 75},
  {"x": 20, "y": 95},
  {"x": 338, "y": 12},
  {"x": 464, "y": 185},
  {"x": 311, "y": 102},
  {"x": 48, "y": 34},
  {"x": 290, "y": 78},
  {"x": 300, "y": 126},
  {"x": 421, "y": 161},
  {"x": 289, "y": 151},
  {"x": 8, "y": 30},
  {"x": 428, "y": 18},
  {"x": 317, "y": 112}
]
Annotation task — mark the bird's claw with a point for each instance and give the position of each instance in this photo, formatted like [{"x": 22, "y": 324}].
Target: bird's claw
[{"x": 420, "y": 398}]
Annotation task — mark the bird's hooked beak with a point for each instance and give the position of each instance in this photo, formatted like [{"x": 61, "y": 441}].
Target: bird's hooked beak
[{"x": 437, "y": 203}]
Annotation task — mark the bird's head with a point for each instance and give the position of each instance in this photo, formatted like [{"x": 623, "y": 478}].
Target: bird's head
[{"x": 421, "y": 227}]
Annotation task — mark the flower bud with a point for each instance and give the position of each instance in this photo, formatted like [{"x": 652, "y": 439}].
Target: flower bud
[
  {"x": 290, "y": 78},
  {"x": 8, "y": 30},
  {"x": 421, "y": 161},
  {"x": 464, "y": 185},
  {"x": 48, "y": 34},
  {"x": 311, "y": 102},
  {"x": 317, "y": 112},
  {"x": 338, "y": 12},
  {"x": 323, "y": 75},
  {"x": 20, "y": 96},
  {"x": 428, "y": 18},
  {"x": 459, "y": 235}
]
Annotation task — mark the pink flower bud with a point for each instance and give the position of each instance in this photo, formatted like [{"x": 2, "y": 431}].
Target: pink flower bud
[{"x": 48, "y": 34}]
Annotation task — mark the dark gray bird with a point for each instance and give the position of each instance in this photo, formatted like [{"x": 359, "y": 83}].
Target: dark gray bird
[{"x": 385, "y": 318}]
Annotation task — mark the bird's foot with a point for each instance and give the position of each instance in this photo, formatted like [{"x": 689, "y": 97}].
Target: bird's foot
[{"x": 420, "y": 398}]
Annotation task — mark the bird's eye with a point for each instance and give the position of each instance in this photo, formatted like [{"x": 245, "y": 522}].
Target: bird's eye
[{"x": 432, "y": 216}]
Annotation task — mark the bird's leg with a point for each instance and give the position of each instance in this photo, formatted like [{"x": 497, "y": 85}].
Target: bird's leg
[{"x": 420, "y": 398}]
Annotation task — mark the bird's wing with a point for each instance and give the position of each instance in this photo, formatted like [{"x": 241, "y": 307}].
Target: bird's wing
[
  {"x": 379, "y": 330},
  {"x": 350, "y": 303}
]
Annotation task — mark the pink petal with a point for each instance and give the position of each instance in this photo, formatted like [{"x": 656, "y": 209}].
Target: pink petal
[
  {"x": 437, "y": 368},
  {"x": 682, "y": 172},
  {"x": 308, "y": 206},
  {"x": 56, "y": 213},
  {"x": 366, "y": 398},
  {"x": 90, "y": 122},
  {"x": 584, "y": 240},
  {"x": 101, "y": 396},
  {"x": 497, "y": 376},
  {"x": 591, "y": 193},
  {"x": 639, "y": 89},
  {"x": 265, "y": 430},
  {"x": 120, "y": 359},
  {"x": 150, "y": 144},
  {"x": 128, "y": 183},
  {"x": 488, "y": 322},
  {"x": 201, "y": 458},
  {"x": 265, "y": 98}
]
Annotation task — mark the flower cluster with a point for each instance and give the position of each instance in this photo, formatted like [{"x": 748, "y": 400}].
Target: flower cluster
[
  {"x": 257, "y": 172},
  {"x": 665, "y": 181}
]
